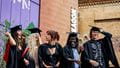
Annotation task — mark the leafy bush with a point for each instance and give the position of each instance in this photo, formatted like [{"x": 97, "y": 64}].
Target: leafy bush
[{"x": 3, "y": 39}]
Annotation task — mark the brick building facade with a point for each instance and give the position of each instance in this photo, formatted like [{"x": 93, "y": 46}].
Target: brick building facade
[
  {"x": 55, "y": 15},
  {"x": 104, "y": 14}
]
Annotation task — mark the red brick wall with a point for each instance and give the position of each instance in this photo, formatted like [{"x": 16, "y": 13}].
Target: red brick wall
[{"x": 55, "y": 15}]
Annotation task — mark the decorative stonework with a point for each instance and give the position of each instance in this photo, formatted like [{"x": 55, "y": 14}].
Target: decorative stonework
[{"x": 104, "y": 2}]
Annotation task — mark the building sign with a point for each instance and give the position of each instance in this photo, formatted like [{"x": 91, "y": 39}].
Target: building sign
[
  {"x": 74, "y": 20},
  {"x": 21, "y": 12},
  {"x": 25, "y": 3}
]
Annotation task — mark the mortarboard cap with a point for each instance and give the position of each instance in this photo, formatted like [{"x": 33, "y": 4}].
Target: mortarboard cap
[
  {"x": 94, "y": 28},
  {"x": 73, "y": 33},
  {"x": 35, "y": 30},
  {"x": 16, "y": 28}
]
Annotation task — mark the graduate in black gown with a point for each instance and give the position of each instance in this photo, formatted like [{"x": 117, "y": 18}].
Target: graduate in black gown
[
  {"x": 49, "y": 53},
  {"x": 98, "y": 51},
  {"x": 71, "y": 52},
  {"x": 33, "y": 42},
  {"x": 15, "y": 48}
]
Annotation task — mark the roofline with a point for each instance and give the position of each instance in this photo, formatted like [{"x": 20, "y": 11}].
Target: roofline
[{"x": 98, "y": 3}]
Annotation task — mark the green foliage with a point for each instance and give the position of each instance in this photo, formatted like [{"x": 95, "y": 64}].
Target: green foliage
[
  {"x": 31, "y": 25},
  {"x": 2, "y": 63},
  {"x": 7, "y": 25},
  {"x": 26, "y": 32},
  {"x": 4, "y": 39}
]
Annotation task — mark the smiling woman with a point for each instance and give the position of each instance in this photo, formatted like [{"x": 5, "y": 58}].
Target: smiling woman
[{"x": 49, "y": 54}]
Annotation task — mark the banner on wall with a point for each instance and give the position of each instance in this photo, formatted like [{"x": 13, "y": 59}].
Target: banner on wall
[
  {"x": 73, "y": 20},
  {"x": 25, "y": 3}
]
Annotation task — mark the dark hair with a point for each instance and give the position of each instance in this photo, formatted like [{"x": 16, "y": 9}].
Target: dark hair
[
  {"x": 15, "y": 37},
  {"x": 94, "y": 29},
  {"x": 54, "y": 35},
  {"x": 68, "y": 40},
  {"x": 14, "y": 34},
  {"x": 90, "y": 34}
]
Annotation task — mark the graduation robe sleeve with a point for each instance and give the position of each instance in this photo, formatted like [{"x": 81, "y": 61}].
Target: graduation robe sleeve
[
  {"x": 107, "y": 42},
  {"x": 68, "y": 54},
  {"x": 86, "y": 56},
  {"x": 13, "y": 58},
  {"x": 40, "y": 57},
  {"x": 7, "y": 51}
]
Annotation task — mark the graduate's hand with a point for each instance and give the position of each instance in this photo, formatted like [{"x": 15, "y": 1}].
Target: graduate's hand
[
  {"x": 7, "y": 34},
  {"x": 78, "y": 61},
  {"x": 94, "y": 63},
  {"x": 72, "y": 60},
  {"x": 26, "y": 62},
  {"x": 46, "y": 66},
  {"x": 81, "y": 48},
  {"x": 57, "y": 65},
  {"x": 11, "y": 40},
  {"x": 19, "y": 47}
]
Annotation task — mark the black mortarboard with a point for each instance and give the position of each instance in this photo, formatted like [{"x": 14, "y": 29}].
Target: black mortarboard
[
  {"x": 35, "y": 30},
  {"x": 73, "y": 33},
  {"x": 16, "y": 28},
  {"x": 94, "y": 28}
]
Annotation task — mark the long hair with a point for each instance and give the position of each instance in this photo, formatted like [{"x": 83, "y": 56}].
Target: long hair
[
  {"x": 19, "y": 41},
  {"x": 68, "y": 40},
  {"x": 33, "y": 42},
  {"x": 90, "y": 34}
]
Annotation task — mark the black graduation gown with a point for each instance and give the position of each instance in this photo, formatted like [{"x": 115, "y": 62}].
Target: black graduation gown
[
  {"x": 93, "y": 51},
  {"x": 28, "y": 57},
  {"x": 15, "y": 60},
  {"x": 12, "y": 61},
  {"x": 107, "y": 50},
  {"x": 67, "y": 53},
  {"x": 31, "y": 61},
  {"x": 44, "y": 55}
]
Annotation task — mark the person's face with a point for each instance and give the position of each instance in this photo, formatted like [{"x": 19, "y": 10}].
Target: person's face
[
  {"x": 73, "y": 41},
  {"x": 37, "y": 36},
  {"x": 94, "y": 34},
  {"x": 19, "y": 32},
  {"x": 48, "y": 37}
]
